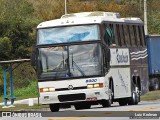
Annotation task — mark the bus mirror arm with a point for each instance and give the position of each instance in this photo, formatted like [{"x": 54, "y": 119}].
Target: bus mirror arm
[{"x": 108, "y": 56}]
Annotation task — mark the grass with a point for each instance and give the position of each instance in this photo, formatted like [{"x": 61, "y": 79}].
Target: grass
[
  {"x": 1, "y": 99},
  {"x": 24, "y": 93},
  {"x": 150, "y": 96},
  {"x": 31, "y": 91},
  {"x": 24, "y": 107}
]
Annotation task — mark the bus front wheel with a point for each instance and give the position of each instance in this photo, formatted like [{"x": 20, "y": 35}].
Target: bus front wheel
[
  {"x": 107, "y": 103},
  {"x": 54, "y": 107}
]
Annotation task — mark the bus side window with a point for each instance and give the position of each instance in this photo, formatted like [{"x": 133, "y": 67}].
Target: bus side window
[
  {"x": 109, "y": 35},
  {"x": 123, "y": 36},
  {"x": 118, "y": 34},
  {"x": 136, "y": 35},
  {"x": 139, "y": 41},
  {"x": 142, "y": 35},
  {"x": 106, "y": 59},
  {"x": 126, "y": 34},
  {"x": 130, "y": 40},
  {"x": 131, "y": 31}
]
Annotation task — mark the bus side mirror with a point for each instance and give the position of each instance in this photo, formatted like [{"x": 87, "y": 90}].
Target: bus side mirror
[
  {"x": 107, "y": 58},
  {"x": 33, "y": 56}
]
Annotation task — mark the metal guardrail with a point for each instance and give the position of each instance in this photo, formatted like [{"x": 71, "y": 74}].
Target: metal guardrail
[{"x": 8, "y": 67}]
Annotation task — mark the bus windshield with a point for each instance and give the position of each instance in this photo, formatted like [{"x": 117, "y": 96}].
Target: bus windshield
[
  {"x": 70, "y": 61},
  {"x": 68, "y": 34}
]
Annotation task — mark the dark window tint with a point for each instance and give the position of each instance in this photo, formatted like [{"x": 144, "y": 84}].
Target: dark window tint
[
  {"x": 138, "y": 40},
  {"x": 142, "y": 35},
  {"x": 132, "y": 35},
  {"x": 121, "y": 30},
  {"x": 126, "y": 35},
  {"x": 119, "y": 35},
  {"x": 109, "y": 34},
  {"x": 116, "y": 34}
]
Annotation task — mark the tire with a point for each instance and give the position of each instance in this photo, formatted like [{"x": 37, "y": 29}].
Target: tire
[
  {"x": 54, "y": 107},
  {"x": 112, "y": 92},
  {"x": 134, "y": 99},
  {"x": 137, "y": 95},
  {"x": 80, "y": 106},
  {"x": 107, "y": 103}
]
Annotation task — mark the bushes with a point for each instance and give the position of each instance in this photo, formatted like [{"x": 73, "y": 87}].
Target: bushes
[
  {"x": 23, "y": 76},
  {"x": 29, "y": 91},
  {"x": 5, "y": 48}
]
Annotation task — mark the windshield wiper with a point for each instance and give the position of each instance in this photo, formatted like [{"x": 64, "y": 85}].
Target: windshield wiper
[{"x": 78, "y": 68}]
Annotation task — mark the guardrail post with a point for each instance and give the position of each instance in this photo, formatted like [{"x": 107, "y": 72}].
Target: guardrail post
[
  {"x": 11, "y": 85},
  {"x": 5, "y": 85}
]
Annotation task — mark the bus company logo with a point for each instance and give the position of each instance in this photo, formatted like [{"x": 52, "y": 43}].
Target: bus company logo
[
  {"x": 70, "y": 87},
  {"x": 121, "y": 58},
  {"x": 91, "y": 80}
]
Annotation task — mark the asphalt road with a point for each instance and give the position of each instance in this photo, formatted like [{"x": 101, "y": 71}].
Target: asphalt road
[
  {"x": 99, "y": 113},
  {"x": 114, "y": 112}
]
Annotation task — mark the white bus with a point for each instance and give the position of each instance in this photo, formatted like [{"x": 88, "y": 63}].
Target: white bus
[{"x": 91, "y": 58}]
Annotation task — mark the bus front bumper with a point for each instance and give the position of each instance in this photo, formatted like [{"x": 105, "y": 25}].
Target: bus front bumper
[{"x": 72, "y": 96}]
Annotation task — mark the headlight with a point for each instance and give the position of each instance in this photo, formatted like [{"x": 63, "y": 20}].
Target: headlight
[
  {"x": 51, "y": 89},
  {"x": 90, "y": 86},
  {"x": 97, "y": 85}
]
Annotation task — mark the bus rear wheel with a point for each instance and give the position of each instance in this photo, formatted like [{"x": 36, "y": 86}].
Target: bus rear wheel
[
  {"x": 134, "y": 99},
  {"x": 54, "y": 107}
]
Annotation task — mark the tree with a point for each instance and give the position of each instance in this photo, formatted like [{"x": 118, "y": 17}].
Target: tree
[
  {"x": 5, "y": 48},
  {"x": 48, "y": 9},
  {"x": 18, "y": 22}
]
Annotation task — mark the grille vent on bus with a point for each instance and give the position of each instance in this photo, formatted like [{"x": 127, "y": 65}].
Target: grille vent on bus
[{"x": 71, "y": 97}]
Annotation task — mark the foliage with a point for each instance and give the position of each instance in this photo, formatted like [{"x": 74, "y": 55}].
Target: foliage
[
  {"x": 24, "y": 74},
  {"x": 25, "y": 107},
  {"x": 17, "y": 33},
  {"x": 48, "y": 9},
  {"x": 1, "y": 81},
  {"x": 24, "y": 92},
  {"x": 150, "y": 96},
  {"x": 5, "y": 48},
  {"x": 17, "y": 22},
  {"x": 30, "y": 90},
  {"x": 153, "y": 16}
]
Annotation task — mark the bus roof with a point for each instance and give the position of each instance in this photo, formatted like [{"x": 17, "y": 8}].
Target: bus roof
[{"x": 87, "y": 18}]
